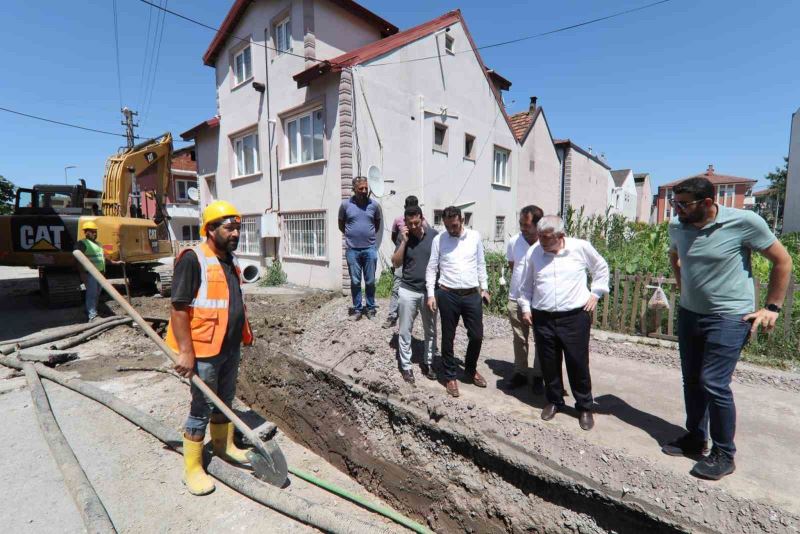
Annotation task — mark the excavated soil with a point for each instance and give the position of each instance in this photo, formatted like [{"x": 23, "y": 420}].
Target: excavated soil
[{"x": 332, "y": 385}]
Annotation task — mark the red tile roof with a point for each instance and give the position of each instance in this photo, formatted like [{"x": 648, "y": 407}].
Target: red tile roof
[
  {"x": 377, "y": 48},
  {"x": 714, "y": 178},
  {"x": 193, "y": 131},
  {"x": 521, "y": 123},
  {"x": 240, "y": 6}
]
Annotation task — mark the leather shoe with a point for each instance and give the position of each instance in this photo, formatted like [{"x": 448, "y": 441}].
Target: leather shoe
[
  {"x": 452, "y": 388},
  {"x": 478, "y": 380},
  {"x": 549, "y": 412},
  {"x": 586, "y": 420}
]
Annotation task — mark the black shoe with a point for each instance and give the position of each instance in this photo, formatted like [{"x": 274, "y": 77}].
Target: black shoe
[
  {"x": 537, "y": 385},
  {"x": 408, "y": 376},
  {"x": 586, "y": 420},
  {"x": 549, "y": 411},
  {"x": 714, "y": 466},
  {"x": 371, "y": 314},
  {"x": 390, "y": 322},
  {"x": 517, "y": 381},
  {"x": 356, "y": 316},
  {"x": 686, "y": 445},
  {"x": 428, "y": 371}
]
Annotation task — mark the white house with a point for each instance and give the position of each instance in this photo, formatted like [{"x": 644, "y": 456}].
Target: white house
[
  {"x": 645, "y": 211},
  {"x": 623, "y": 195},
  {"x": 791, "y": 207},
  {"x": 313, "y": 92},
  {"x": 585, "y": 179}
]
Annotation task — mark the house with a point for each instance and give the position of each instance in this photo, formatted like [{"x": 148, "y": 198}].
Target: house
[
  {"x": 539, "y": 174},
  {"x": 624, "y": 195},
  {"x": 791, "y": 206},
  {"x": 313, "y": 93},
  {"x": 731, "y": 191},
  {"x": 585, "y": 179},
  {"x": 644, "y": 198}
]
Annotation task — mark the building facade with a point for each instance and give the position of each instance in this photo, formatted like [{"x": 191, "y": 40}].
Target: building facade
[
  {"x": 791, "y": 210},
  {"x": 624, "y": 197},
  {"x": 586, "y": 182},
  {"x": 645, "y": 213}
]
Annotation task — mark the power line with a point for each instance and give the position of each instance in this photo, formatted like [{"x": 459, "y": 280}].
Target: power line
[
  {"x": 144, "y": 58},
  {"x": 62, "y": 123},
  {"x": 116, "y": 48},
  {"x": 529, "y": 37},
  {"x": 229, "y": 34},
  {"x": 149, "y": 99}
]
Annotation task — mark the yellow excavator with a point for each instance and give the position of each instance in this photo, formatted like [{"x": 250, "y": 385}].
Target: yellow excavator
[{"x": 47, "y": 220}]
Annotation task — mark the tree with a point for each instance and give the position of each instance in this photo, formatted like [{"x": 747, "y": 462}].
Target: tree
[
  {"x": 773, "y": 208},
  {"x": 777, "y": 178},
  {"x": 7, "y": 194}
]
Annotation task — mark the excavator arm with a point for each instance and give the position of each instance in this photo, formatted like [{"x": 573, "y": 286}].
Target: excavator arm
[{"x": 122, "y": 167}]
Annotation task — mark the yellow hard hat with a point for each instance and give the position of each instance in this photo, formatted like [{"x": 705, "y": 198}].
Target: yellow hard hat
[
  {"x": 218, "y": 209},
  {"x": 90, "y": 225}
]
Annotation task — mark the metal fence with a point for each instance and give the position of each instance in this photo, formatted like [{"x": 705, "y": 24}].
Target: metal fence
[{"x": 305, "y": 234}]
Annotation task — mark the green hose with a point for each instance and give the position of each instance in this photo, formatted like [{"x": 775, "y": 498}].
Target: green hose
[{"x": 383, "y": 510}]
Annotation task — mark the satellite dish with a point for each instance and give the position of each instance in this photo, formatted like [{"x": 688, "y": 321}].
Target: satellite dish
[
  {"x": 193, "y": 193},
  {"x": 375, "y": 180}
]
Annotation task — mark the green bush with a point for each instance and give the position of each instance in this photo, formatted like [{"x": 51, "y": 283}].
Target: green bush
[
  {"x": 274, "y": 275},
  {"x": 497, "y": 265},
  {"x": 383, "y": 288}
]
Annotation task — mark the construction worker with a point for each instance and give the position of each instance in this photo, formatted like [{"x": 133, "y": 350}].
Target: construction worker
[
  {"x": 94, "y": 251},
  {"x": 207, "y": 326}
]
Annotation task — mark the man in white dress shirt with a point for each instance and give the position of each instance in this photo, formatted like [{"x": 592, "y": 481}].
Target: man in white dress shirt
[
  {"x": 457, "y": 256},
  {"x": 516, "y": 251},
  {"x": 555, "y": 298}
]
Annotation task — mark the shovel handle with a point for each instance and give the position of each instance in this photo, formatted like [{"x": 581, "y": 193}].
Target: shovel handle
[{"x": 147, "y": 329}]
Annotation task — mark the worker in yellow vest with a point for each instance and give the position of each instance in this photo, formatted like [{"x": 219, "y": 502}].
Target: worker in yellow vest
[
  {"x": 207, "y": 327},
  {"x": 94, "y": 251}
]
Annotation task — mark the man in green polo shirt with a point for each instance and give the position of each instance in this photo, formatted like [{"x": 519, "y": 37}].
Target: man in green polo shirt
[
  {"x": 94, "y": 251},
  {"x": 710, "y": 256}
]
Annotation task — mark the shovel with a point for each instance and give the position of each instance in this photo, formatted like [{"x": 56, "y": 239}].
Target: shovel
[{"x": 267, "y": 459}]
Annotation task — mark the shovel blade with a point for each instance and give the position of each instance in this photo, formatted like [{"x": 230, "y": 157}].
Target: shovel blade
[{"x": 268, "y": 463}]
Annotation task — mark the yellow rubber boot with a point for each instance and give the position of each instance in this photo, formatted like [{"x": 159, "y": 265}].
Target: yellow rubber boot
[
  {"x": 222, "y": 441},
  {"x": 194, "y": 476}
]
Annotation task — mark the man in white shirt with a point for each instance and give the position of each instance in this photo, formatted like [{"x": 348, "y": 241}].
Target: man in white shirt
[
  {"x": 457, "y": 256},
  {"x": 556, "y": 300},
  {"x": 516, "y": 250}
]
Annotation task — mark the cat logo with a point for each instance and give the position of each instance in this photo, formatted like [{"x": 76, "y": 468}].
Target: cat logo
[{"x": 41, "y": 237}]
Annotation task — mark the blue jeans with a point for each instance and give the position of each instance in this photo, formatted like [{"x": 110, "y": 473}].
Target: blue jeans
[
  {"x": 92, "y": 296},
  {"x": 362, "y": 261},
  {"x": 710, "y": 346},
  {"x": 219, "y": 373}
]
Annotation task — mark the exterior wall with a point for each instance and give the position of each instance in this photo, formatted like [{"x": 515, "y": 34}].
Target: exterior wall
[
  {"x": 623, "y": 199},
  {"x": 206, "y": 152},
  {"x": 336, "y": 31},
  {"x": 791, "y": 210},
  {"x": 589, "y": 184},
  {"x": 644, "y": 200},
  {"x": 539, "y": 170},
  {"x": 401, "y": 106}
]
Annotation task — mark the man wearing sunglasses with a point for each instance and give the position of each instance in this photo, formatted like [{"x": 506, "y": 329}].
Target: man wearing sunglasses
[{"x": 710, "y": 256}]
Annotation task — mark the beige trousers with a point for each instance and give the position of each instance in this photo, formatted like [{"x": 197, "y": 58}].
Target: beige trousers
[{"x": 522, "y": 334}]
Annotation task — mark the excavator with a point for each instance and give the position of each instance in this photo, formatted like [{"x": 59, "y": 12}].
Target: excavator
[{"x": 46, "y": 223}]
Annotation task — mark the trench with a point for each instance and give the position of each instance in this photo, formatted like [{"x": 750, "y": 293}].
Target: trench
[{"x": 439, "y": 472}]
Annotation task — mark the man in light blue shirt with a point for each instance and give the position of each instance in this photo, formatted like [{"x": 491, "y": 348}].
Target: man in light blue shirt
[{"x": 710, "y": 256}]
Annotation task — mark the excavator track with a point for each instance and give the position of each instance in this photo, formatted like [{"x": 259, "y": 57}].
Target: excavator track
[
  {"x": 164, "y": 280},
  {"x": 60, "y": 289}
]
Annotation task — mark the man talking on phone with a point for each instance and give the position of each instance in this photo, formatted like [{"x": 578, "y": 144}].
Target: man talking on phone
[{"x": 457, "y": 257}]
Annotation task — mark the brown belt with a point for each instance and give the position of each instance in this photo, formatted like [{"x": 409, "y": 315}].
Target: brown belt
[{"x": 460, "y": 292}]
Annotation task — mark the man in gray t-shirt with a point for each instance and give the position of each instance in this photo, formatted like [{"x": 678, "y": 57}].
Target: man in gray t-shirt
[
  {"x": 710, "y": 256},
  {"x": 412, "y": 253}
]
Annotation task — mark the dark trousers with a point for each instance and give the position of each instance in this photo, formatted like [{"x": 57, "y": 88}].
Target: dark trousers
[
  {"x": 566, "y": 332},
  {"x": 710, "y": 346},
  {"x": 453, "y": 306}
]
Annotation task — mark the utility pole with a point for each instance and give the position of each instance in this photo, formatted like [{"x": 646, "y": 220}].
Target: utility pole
[{"x": 129, "y": 125}]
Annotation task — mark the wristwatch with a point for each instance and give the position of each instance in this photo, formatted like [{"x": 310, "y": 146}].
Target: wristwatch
[{"x": 773, "y": 308}]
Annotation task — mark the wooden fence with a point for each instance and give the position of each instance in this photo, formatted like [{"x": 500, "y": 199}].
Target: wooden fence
[{"x": 624, "y": 309}]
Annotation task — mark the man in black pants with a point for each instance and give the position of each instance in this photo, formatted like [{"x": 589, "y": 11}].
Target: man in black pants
[
  {"x": 457, "y": 257},
  {"x": 555, "y": 289}
]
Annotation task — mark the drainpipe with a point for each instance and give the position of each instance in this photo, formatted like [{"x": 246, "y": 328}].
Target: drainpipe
[{"x": 269, "y": 117}]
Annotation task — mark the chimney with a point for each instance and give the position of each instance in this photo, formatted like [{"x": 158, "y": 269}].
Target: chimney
[
  {"x": 710, "y": 170},
  {"x": 532, "y": 107}
]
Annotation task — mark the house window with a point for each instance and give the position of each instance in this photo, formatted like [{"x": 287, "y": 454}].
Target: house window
[
  {"x": 500, "y": 176},
  {"x": 304, "y": 135},
  {"x": 440, "y": 137},
  {"x": 190, "y": 232},
  {"x": 469, "y": 147},
  {"x": 726, "y": 194},
  {"x": 246, "y": 149},
  {"x": 305, "y": 234},
  {"x": 283, "y": 36},
  {"x": 449, "y": 42},
  {"x": 242, "y": 66},
  {"x": 499, "y": 228},
  {"x": 182, "y": 188},
  {"x": 669, "y": 196},
  {"x": 250, "y": 236},
  {"x": 468, "y": 219}
]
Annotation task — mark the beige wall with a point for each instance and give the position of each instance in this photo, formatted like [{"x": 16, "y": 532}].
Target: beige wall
[
  {"x": 590, "y": 184},
  {"x": 644, "y": 201},
  {"x": 791, "y": 212},
  {"x": 542, "y": 185}
]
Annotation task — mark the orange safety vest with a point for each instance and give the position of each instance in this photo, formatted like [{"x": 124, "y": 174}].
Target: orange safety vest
[{"x": 208, "y": 311}]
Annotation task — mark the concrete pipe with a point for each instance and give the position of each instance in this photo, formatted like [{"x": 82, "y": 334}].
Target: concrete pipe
[{"x": 251, "y": 272}]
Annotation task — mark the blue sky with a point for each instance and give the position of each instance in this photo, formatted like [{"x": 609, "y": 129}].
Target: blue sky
[{"x": 667, "y": 90}]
